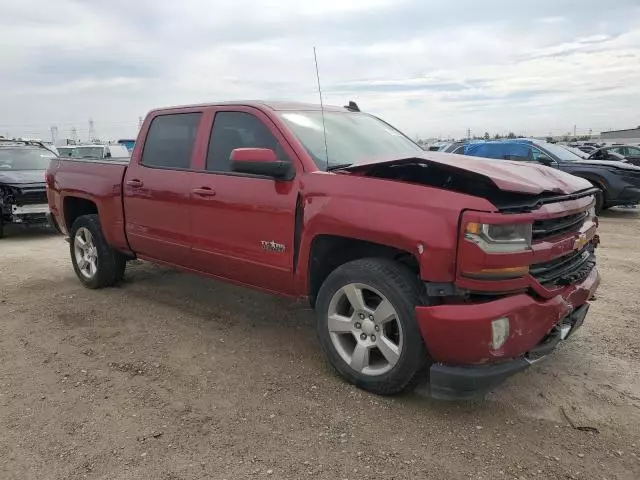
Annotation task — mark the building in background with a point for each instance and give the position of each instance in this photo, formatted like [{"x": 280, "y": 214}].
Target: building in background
[{"x": 631, "y": 136}]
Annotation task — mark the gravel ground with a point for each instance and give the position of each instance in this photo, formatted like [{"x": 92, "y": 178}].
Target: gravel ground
[{"x": 173, "y": 377}]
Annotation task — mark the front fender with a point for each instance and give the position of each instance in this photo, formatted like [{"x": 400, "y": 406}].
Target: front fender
[{"x": 429, "y": 235}]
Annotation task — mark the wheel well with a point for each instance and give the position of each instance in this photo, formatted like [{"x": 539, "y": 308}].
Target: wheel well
[
  {"x": 328, "y": 252},
  {"x": 75, "y": 207}
]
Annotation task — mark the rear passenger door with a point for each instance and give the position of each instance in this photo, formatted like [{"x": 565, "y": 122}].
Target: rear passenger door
[
  {"x": 156, "y": 189},
  {"x": 242, "y": 224}
]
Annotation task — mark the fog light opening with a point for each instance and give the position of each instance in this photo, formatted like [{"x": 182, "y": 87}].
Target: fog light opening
[{"x": 499, "y": 332}]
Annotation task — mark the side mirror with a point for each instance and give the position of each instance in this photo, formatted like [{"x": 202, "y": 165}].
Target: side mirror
[
  {"x": 543, "y": 159},
  {"x": 260, "y": 161}
]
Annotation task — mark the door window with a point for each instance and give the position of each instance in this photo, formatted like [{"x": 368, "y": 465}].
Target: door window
[
  {"x": 518, "y": 152},
  {"x": 633, "y": 151},
  {"x": 620, "y": 150},
  {"x": 170, "y": 141},
  {"x": 233, "y": 130}
]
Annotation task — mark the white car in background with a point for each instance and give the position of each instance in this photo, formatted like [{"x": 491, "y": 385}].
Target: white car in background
[{"x": 97, "y": 152}]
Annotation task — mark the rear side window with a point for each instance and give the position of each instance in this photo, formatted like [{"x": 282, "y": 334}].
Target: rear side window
[
  {"x": 170, "y": 140},
  {"x": 233, "y": 130}
]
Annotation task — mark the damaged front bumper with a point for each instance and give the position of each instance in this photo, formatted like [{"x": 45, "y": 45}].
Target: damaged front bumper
[
  {"x": 449, "y": 382},
  {"x": 29, "y": 213},
  {"x": 459, "y": 337}
]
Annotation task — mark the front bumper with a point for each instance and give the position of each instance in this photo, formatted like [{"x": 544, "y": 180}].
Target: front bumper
[
  {"x": 448, "y": 382},
  {"x": 30, "y": 213},
  {"x": 459, "y": 336}
]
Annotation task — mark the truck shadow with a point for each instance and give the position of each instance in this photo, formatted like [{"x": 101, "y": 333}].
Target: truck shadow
[
  {"x": 22, "y": 232},
  {"x": 226, "y": 308}
]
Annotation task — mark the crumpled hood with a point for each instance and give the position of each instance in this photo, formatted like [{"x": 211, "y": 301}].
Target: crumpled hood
[
  {"x": 507, "y": 175},
  {"x": 21, "y": 177}
]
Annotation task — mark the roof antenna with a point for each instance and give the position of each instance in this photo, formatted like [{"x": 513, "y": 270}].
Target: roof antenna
[
  {"x": 353, "y": 106},
  {"x": 324, "y": 128}
]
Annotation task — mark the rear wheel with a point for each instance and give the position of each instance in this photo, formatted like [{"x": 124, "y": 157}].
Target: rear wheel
[
  {"x": 367, "y": 328},
  {"x": 96, "y": 264}
]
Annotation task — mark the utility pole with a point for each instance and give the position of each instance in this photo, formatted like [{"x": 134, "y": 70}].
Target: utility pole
[
  {"x": 54, "y": 134},
  {"x": 92, "y": 133},
  {"x": 139, "y": 123},
  {"x": 574, "y": 131},
  {"x": 74, "y": 135},
  {"x": 468, "y": 134}
]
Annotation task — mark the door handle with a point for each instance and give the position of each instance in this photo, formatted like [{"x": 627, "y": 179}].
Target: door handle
[
  {"x": 135, "y": 183},
  {"x": 204, "y": 192}
]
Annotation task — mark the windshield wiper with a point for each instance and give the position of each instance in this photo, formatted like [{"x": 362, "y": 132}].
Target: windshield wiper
[{"x": 338, "y": 166}]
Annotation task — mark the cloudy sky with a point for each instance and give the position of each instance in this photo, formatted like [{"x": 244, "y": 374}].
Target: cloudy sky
[{"x": 430, "y": 67}]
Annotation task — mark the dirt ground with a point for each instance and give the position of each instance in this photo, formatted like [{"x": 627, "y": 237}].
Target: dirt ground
[{"x": 174, "y": 377}]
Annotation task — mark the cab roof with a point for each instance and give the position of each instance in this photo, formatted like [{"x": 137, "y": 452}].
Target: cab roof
[{"x": 261, "y": 105}]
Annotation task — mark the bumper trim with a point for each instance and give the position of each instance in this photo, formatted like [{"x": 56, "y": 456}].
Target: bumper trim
[{"x": 465, "y": 383}]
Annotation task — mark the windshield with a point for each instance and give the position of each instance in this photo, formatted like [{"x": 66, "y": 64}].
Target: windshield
[
  {"x": 576, "y": 151},
  {"x": 351, "y": 137},
  {"x": 25, "y": 158},
  {"x": 88, "y": 152},
  {"x": 562, "y": 153}
]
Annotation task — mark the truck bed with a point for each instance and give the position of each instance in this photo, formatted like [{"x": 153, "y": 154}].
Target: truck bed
[{"x": 98, "y": 181}]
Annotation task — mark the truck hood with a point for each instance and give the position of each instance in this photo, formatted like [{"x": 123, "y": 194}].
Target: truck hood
[
  {"x": 506, "y": 175},
  {"x": 21, "y": 177}
]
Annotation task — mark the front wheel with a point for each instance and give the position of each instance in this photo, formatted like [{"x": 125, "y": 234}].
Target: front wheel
[
  {"x": 96, "y": 264},
  {"x": 367, "y": 327}
]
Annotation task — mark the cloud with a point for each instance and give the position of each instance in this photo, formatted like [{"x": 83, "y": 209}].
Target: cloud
[{"x": 429, "y": 67}]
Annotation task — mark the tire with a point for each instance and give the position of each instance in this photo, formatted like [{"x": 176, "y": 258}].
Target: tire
[
  {"x": 108, "y": 264},
  {"x": 395, "y": 283},
  {"x": 599, "y": 201}
]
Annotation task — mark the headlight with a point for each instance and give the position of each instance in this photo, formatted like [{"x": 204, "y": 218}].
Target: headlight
[{"x": 500, "y": 238}]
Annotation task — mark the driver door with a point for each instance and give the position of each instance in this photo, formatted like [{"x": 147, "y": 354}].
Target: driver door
[{"x": 243, "y": 224}]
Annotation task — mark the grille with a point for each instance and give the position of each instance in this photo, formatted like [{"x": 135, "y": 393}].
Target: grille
[
  {"x": 543, "y": 229},
  {"x": 566, "y": 270},
  {"x": 31, "y": 195}
]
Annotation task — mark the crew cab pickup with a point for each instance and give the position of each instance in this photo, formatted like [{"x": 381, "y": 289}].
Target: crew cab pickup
[{"x": 418, "y": 264}]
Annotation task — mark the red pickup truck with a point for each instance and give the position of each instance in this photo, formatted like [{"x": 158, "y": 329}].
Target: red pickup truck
[{"x": 418, "y": 264}]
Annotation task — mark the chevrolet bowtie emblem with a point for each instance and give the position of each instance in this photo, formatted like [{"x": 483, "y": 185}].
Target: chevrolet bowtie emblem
[{"x": 580, "y": 241}]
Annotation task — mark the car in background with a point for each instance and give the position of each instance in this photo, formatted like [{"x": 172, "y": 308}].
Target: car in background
[
  {"x": 618, "y": 182},
  {"x": 630, "y": 153},
  {"x": 66, "y": 151},
  {"x": 575, "y": 150},
  {"x": 436, "y": 146},
  {"x": 23, "y": 196},
  {"x": 128, "y": 143},
  {"x": 100, "y": 152},
  {"x": 454, "y": 147},
  {"x": 586, "y": 148}
]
